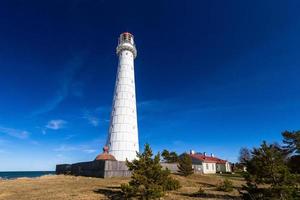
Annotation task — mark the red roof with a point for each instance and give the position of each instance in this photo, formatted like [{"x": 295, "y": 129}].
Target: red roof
[{"x": 208, "y": 159}]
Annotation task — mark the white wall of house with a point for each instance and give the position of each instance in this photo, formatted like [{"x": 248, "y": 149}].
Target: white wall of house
[
  {"x": 209, "y": 168},
  {"x": 221, "y": 168},
  {"x": 224, "y": 167},
  {"x": 228, "y": 167},
  {"x": 198, "y": 169}
]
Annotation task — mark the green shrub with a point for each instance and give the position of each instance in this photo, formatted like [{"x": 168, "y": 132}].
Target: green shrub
[
  {"x": 169, "y": 157},
  {"x": 127, "y": 190},
  {"x": 225, "y": 186},
  {"x": 185, "y": 165},
  {"x": 149, "y": 180},
  {"x": 201, "y": 191},
  {"x": 171, "y": 184},
  {"x": 268, "y": 167}
]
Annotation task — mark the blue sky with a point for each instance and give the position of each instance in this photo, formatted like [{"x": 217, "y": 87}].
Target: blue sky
[{"x": 211, "y": 76}]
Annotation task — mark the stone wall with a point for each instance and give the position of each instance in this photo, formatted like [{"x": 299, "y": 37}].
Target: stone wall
[
  {"x": 116, "y": 169},
  {"x": 107, "y": 168},
  {"x": 97, "y": 168},
  {"x": 198, "y": 169},
  {"x": 171, "y": 166}
]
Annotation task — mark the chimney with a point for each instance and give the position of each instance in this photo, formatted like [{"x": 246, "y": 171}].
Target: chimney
[
  {"x": 212, "y": 155},
  {"x": 192, "y": 152},
  {"x": 204, "y": 153}
]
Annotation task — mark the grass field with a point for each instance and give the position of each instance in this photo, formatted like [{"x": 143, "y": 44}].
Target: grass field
[{"x": 84, "y": 188}]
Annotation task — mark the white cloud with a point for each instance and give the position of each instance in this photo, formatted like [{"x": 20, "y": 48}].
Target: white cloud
[
  {"x": 94, "y": 121},
  {"x": 64, "y": 148},
  {"x": 89, "y": 150},
  {"x": 82, "y": 148},
  {"x": 20, "y": 134},
  {"x": 55, "y": 125}
]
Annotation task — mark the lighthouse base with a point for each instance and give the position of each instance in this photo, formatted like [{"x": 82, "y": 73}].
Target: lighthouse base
[{"x": 97, "y": 168}]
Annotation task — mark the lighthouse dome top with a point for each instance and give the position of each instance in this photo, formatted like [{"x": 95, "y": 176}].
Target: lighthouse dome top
[
  {"x": 126, "y": 37},
  {"x": 126, "y": 42}
]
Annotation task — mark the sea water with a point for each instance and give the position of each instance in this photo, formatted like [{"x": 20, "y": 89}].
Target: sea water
[{"x": 27, "y": 174}]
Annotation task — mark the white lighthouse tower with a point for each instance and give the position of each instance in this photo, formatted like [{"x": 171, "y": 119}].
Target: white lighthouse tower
[{"x": 123, "y": 140}]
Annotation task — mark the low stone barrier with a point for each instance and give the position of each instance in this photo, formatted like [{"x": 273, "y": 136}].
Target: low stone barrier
[{"x": 97, "y": 168}]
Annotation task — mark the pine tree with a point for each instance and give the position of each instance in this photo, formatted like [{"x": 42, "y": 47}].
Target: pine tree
[
  {"x": 245, "y": 155},
  {"x": 169, "y": 157},
  {"x": 149, "y": 180},
  {"x": 185, "y": 165},
  {"x": 267, "y": 166},
  {"x": 291, "y": 141}
]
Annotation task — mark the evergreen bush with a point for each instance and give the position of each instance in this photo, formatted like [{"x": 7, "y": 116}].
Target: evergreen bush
[
  {"x": 149, "y": 180},
  {"x": 225, "y": 186},
  {"x": 185, "y": 167}
]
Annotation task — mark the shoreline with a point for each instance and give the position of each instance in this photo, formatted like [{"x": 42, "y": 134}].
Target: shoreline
[{"x": 23, "y": 175}]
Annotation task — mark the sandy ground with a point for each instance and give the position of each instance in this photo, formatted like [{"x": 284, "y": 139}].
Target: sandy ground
[{"x": 84, "y": 188}]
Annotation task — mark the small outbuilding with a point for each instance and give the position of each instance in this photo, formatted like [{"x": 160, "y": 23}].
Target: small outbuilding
[{"x": 209, "y": 164}]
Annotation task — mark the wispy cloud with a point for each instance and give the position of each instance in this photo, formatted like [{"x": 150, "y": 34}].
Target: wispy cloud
[
  {"x": 65, "y": 148},
  {"x": 70, "y": 136},
  {"x": 56, "y": 124},
  {"x": 97, "y": 115},
  {"x": 20, "y": 134},
  {"x": 66, "y": 86},
  {"x": 89, "y": 150},
  {"x": 94, "y": 121},
  {"x": 68, "y": 148},
  {"x": 77, "y": 89}
]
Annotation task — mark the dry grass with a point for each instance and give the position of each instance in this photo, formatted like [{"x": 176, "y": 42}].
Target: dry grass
[{"x": 84, "y": 188}]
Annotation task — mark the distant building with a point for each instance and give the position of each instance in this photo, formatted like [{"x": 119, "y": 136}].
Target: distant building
[{"x": 209, "y": 164}]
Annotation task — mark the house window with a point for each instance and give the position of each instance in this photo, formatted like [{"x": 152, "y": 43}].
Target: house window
[
  {"x": 212, "y": 166},
  {"x": 207, "y": 166}
]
